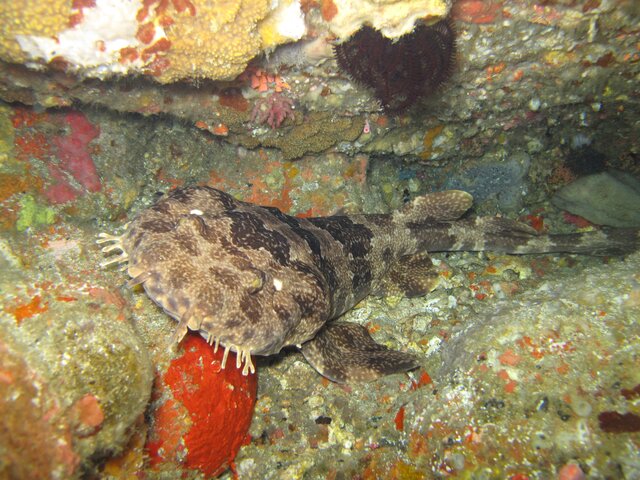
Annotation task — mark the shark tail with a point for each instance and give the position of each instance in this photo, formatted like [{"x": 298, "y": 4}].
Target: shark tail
[{"x": 508, "y": 236}]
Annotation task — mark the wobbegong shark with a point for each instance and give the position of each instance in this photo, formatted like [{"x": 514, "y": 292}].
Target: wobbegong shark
[{"x": 254, "y": 280}]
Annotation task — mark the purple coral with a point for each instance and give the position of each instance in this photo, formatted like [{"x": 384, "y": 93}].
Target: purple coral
[{"x": 273, "y": 110}]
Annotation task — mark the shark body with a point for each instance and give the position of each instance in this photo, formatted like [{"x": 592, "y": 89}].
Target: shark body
[{"x": 255, "y": 280}]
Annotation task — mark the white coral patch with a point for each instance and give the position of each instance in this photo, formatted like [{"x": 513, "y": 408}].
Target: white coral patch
[
  {"x": 94, "y": 43},
  {"x": 392, "y": 18},
  {"x": 289, "y": 20}
]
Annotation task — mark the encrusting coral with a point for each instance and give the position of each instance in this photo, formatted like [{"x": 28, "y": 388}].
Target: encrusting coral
[
  {"x": 319, "y": 131},
  {"x": 170, "y": 40},
  {"x": 30, "y": 17},
  {"x": 222, "y": 52},
  {"x": 185, "y": 39}
]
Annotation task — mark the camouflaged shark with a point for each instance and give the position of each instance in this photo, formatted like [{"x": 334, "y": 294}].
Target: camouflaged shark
[{"x": 254, "y": 280}]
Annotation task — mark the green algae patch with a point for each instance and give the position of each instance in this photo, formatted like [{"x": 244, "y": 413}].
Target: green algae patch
[
  {"x": 6, "y": 134},
  {"x": 320, "y": 131},
  {"x": 33, "y": 214}
]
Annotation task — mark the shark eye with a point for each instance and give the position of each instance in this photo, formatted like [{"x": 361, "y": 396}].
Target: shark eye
[{"x": 257, "y": 282}]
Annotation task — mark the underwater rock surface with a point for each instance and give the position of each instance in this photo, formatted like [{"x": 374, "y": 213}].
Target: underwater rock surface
[
  {"x": 529, "y": 352},
  {"x": 529, "y": 366},
  {"x": 501, "y": 183},
  {"x": 75, "y": 377},
  {"x": 606, "y": 198}
]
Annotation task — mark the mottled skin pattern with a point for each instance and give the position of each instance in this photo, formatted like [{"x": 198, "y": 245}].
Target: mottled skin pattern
[{"x": 255, "y": 280}]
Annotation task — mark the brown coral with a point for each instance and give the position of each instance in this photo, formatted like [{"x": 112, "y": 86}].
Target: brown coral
[{"x": 320, "y": 131}]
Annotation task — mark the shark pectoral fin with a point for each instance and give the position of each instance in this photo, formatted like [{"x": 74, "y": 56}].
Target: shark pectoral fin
[
  {"x": 412, "y": 276},
  {"x": 345, "y": 352},
  {"x": 438, "y": 206}
]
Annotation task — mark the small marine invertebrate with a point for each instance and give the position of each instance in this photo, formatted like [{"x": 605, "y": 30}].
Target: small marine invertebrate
[
  {"x": 273, "y": 110},
  {"x": 217, "y": 129},
  {"x": 403, "y": 71},
  {"x": 262, "y": 80}
]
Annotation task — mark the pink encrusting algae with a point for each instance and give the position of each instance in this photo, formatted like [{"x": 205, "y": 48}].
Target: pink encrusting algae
[{"x": 75, "y": 160}]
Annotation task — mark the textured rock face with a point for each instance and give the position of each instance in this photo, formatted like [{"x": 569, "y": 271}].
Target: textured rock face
[
  {"x": 75, "y": 397},
  {"x": 607, "y": 198},
  {"x": 505, "y": 93},
  {"x": 528, "y": 367}
]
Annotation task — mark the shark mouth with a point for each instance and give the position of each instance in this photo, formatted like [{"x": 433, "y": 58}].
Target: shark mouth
[
  {"x": 243, "y": 354},
  {"x": 186, "y": 323}
]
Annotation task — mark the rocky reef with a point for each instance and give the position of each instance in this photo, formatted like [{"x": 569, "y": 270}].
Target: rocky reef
[{"x": 528, "y": 367}]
